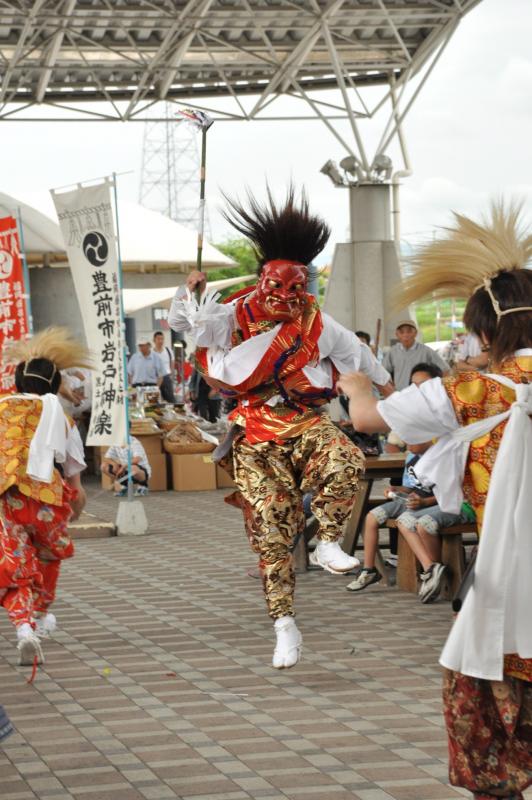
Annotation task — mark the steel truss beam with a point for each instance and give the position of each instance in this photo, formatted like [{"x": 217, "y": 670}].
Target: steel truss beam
[{"x": 237, "y": 59}]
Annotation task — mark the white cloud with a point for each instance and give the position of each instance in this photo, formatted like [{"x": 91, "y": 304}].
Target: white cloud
[{"x": 513, "y": 88}]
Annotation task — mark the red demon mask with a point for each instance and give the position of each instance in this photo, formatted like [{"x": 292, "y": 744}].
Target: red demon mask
[{"x": 281, "y": 289}]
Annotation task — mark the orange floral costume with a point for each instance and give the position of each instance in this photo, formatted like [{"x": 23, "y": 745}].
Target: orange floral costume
[
  {"x": 489, "y": 723},
  {"x": 33, "y": 517}
]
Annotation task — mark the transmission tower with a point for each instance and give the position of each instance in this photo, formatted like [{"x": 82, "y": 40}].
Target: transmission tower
[{"x": 170, "y": 173}]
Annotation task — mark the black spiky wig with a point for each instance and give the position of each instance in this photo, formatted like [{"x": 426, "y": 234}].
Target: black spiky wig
[{"x": 279, "y": 231}]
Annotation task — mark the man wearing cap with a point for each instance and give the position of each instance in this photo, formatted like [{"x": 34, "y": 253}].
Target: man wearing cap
[
  {"x": 404, "y": 355},
  {"x": 145, "y": 368}
]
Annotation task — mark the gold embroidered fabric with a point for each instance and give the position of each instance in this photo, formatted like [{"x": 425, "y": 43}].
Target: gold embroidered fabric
[{"x": 18, "y": 422}]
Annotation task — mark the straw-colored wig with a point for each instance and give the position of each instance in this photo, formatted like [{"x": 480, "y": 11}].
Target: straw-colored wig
[
  {"x": 468, "y": 254},
  {"x": 53, "y": 344}
]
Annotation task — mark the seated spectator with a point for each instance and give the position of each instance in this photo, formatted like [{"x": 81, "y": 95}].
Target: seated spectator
[
  {"x": 364, "y": 337},
  {"x": 394, "y": 443},
  {"x": 403, "y": 356},
  {"x": 115, "y": 465},
  {"x": 471, "y": 354},
  {"x": 419, "y": 520}
]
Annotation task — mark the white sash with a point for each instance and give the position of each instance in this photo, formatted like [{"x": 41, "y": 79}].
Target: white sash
[{"x": 495, "y": 618}]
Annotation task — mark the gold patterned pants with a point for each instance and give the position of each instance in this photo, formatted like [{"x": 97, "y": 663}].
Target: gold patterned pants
[{"x": 272, "y": 477}]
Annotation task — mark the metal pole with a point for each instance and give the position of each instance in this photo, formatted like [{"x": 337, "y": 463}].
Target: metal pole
[
  {"x": 124, "y": 354},
  {"x": 201, "y": 222}
]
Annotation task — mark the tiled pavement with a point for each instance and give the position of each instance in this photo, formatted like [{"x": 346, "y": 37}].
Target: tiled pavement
[{"x": 158, "y": 684}]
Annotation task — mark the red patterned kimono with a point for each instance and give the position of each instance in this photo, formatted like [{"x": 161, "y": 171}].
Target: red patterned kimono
[{"x": 33, "y": 518}]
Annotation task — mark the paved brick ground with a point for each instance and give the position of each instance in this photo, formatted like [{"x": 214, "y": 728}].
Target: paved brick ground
[{"x": 158, "y": 684}]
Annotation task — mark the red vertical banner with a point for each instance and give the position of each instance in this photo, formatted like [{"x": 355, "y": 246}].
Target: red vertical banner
[{"x": 13, "y": 308}]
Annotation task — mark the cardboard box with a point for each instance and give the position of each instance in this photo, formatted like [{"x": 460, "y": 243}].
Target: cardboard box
[
  {"x": 223, "y": 479},
  {"x": 152, "y": 443},
  {"x": 193, "y": 472},
  {"x": 159, "y": 478}
]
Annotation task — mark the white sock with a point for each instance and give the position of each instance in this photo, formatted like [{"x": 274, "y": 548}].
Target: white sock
[
  {"x": 288, "y": 646},
  {"x": 24, "y": 630}
]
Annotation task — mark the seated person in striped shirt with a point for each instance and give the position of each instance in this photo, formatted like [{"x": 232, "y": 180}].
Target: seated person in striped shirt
[
  {"x": 419, "y": 518},
  {"x": 115, "y": 465}
]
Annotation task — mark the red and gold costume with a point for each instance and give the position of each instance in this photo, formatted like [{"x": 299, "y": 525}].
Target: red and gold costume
[
  {"x": 41, "y": 456},
  {"x": 485, "y": 450},
  {"x": 33, "y": 515},
  {"x": 279, "y": 372},
  {"x": 274, "y": 351}
]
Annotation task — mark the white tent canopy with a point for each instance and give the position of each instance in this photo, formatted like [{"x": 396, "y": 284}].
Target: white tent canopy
[
  {"x": 42, "y": 238},
  {"x": 135, "y": 299},
  {"x": 149, "y": 241}
]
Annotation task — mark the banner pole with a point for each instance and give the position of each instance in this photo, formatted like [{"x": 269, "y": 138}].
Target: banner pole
[
  {"x": 124, "y": 354},
  {"x": 25, "y": 271},
  {"x": 201, "y": 223}
]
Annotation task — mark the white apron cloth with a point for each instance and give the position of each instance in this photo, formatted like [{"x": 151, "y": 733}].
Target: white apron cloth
[{"x": 496, "y": 618}]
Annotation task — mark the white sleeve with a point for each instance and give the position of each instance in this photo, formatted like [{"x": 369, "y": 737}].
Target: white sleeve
[
  {"x": 372, "y": 368},
  {"x": 419, "y": 413},
  {"x": 75, "y": 454},
  {"x": 348, "y": 353},
  {"x": 211, "y": 323},
  {"x": 111, "y": 453}
]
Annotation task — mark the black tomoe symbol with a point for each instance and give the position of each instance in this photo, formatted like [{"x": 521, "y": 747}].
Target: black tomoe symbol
[{"x": 95, "y": 248}]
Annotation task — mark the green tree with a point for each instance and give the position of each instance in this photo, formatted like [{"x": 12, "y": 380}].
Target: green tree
[{"x": 241, "y": 251}]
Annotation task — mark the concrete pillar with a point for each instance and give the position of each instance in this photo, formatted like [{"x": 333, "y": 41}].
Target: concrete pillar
[
  {"x": 54, "y": 300},
  {"x": 365, "y": 272}
]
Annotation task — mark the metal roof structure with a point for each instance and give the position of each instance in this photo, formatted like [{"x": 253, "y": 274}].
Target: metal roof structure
[{"x": 128, "y": 54}]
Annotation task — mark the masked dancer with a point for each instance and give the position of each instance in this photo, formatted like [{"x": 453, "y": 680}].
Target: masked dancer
[{"x": 279, "y": 356}]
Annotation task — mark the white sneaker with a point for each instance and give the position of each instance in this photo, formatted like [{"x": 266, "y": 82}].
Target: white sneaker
[
  {"x": 45, "y": 625},
  {"x": 332, "y": 558},
  {"x": 289, "y": 642},
  {"x": 364, "y": 579},
  {"x": 432, "y": 582},
  {"x": 28, "y": 646}
]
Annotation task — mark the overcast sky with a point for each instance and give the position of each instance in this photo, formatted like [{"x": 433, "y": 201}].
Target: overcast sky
[{"x": 469, "y": 136}]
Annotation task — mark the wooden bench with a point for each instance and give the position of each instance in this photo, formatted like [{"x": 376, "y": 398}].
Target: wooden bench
[{"x": 452, "y": 556}]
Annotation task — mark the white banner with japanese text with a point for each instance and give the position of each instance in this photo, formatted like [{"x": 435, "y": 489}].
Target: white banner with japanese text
[
  {"x": 87, "y": 224},
  {"x": 13, "y": 298}
]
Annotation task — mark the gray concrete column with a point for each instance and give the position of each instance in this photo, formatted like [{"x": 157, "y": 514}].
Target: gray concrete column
[{"x": 365, "y": 273}]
